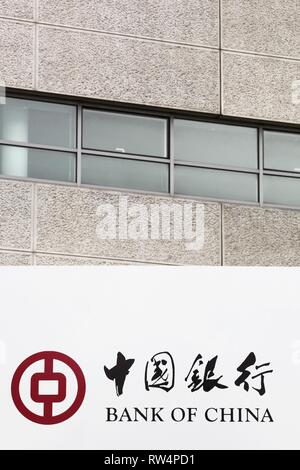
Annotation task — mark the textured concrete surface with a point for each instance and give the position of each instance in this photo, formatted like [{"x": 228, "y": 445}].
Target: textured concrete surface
[
  {"x": 67, "y": 221},
  {"x": 188, "y": 21},
  {"x": 17, "y": 8},
  {"x": 263, "y": 26},
  {"x": 125, "y": 69},
  {"x": 259, "y": 87},
  {"x": 16, "y": 54},
  {"x": 116, "y": 67},
  {"x": 57, "y": 260},
  {"x": 14, "y": 258},
  {"x": 262, "y": 237},
  {"x": 15, "y": 215}
]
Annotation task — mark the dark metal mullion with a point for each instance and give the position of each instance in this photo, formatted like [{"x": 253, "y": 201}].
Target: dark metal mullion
[
  {"x": 126, "y": 156},
  {"x": 111, "y": 153},
  {"x": 12, "y": 143},
  {"x": 209, "y": 166},
  {"x": 284, "y": 174},
  {"x": 281, "y": 129},
  {"x": 114, "y": 109},
  {"x": 172, "y": 157},
  {"x": 79, "y": 145}
]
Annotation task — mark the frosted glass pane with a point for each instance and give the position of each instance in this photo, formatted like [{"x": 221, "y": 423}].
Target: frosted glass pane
[
  {"x": 282, "y": 151},
  {"x": 215, "y": 183},
  {"x": 125, "y": 133},
  {"x": 122, "y": 173},
  {"x": 40, "y": 164},
  {"x": 216, "y": 144},
  {"x": 38, "y": 122},
  {"x": 281, "y": 190}
]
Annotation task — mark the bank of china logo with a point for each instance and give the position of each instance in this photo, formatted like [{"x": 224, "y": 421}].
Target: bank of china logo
[
  {"x": 49, "y": 387},
  {"x": 56, "y": 387}
]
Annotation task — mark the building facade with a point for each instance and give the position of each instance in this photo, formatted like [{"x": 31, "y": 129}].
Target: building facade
[{"x": 149, "y": 103}]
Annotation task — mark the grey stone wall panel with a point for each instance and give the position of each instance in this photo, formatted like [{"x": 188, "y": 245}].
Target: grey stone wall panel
[
  {"x": 16, "y": 54},
  {"x": 263, "y": 26},
  {"x": 57, "y": 260},
  {"x": 186, "y": 21},
  {"x": 14, "y": 258},
  {"x": 261, "y": 237},
  {"x": 17, "y": 9},
  {"x": 67, "y": 221},
  {"x": 15, "y": 215},
  {"x": 259, "y": 87}
]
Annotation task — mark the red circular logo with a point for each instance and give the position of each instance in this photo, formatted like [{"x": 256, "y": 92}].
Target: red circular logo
[{"x": 48, "y": 399}]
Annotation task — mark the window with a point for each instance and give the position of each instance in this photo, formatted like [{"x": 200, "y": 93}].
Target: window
[
  {"x": 280, "y": 190},
  {"x": 282, "y": 151},
  {"x": 36, "y": 163},
  {"x": 281, "y": 184},
  {"x": 211, "y": 150},
  {"x": 215, "y": 144},
  {"x": 28, "y": 129},
  {"x": 216, "y": 183},
  {"x": 108, "y": 134},
  {"x": 164, "y": 153},
  {"x": 38, "y": 122},
  {"x": 123, "y": 173}
]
